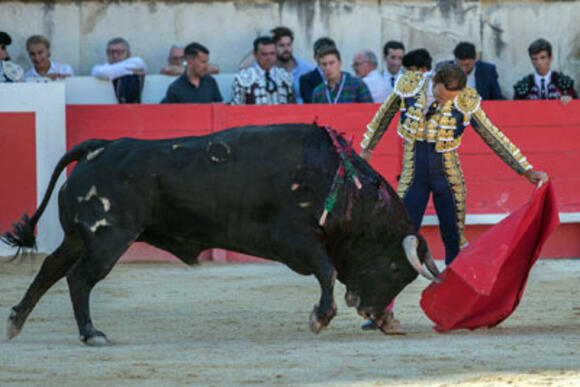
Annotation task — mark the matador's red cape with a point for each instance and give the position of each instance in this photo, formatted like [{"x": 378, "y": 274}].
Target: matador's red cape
[{"x": 486, "y": 281}]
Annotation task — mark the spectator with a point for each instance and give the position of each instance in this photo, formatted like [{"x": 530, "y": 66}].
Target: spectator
[
  {"x": 38, "y": 48},
  {"x": 365, "y": 65},
  {"x": 417, "y": 60},
  {"x": 544, "y": 83},
  {"x": 195, "y": 85},
  {"x": 9, "y": 71},
  {"x": 393, "y": 52},
  {"x": 338, "y": 86},
  {"x": 315, "y": 77},
  {"x": 284, "y": 39},
  {"x": 263, "y": 84},
  {"x": 126, "y": 72},
  {"x": 481, "y": 75},
  {"x": 176, "y": 65}
]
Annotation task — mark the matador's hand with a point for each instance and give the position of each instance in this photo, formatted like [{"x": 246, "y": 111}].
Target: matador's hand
[
  {"x": 535, "y": 177},
  {"x": 366, "y": 155}
]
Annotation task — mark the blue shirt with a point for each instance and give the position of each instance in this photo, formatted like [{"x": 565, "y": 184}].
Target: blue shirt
[{"x": 302, "y": 67}]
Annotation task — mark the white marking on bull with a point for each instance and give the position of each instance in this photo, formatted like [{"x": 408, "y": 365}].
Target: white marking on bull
[
  {"x": 99, "y": 223},
  {"x": 295, "y": 186},
  {"x": 92, "y": 192},
  {"x": 304, "y": 204},
  {"x": 176, "y": 146},
  {"x": 94, "y": 154},
  {"x": 106, "y": 203}
]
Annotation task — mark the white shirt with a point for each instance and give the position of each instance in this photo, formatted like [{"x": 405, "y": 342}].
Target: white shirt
[
  {"x": 391, "y": 79},
  {"x": 113, "y": 71},
  {"x": 538, "y": 81},
  {"x": 55, "y": 68},
  {"x": 471, "y": 78},
  {"x": 377, "y": 86},
  {"x": 429, "y": 97}
]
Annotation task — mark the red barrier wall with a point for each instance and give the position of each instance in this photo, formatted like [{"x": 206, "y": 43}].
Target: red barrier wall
[
  {"x": 548, "y": 133},
  {"x": 18, "y": 161}
]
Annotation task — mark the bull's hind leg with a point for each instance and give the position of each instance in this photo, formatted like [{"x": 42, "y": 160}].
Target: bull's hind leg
[
  {"x": 54, "y": 267},
  {"x": 103, "y": 252}
]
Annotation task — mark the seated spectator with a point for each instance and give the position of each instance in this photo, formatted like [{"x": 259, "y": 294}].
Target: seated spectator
[
  {"x": 365, "y": 65},
  {"x": 195, "y": 85},
  {"x": 126, "y": 72},
  {"x": 315, "y": 77},
  {"x": 393, "y": 52},
  {"x": 481, "y": 75},
  {"x": 417, "y": 60},
  {"x": 338, "y": 86},
  {"x": 9, "y": 71},
  {"x": 263, "y": 84},
  {"x": 176, "y": 64},
  {"x": 544, "y": 83},
  {"x": 284, "y": 39},
  {"x": 38, "y": 48},
  {"x": 119, "y": 62}
]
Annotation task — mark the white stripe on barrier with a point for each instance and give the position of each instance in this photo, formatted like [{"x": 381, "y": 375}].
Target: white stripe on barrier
[{"x": 483, "y": 219}]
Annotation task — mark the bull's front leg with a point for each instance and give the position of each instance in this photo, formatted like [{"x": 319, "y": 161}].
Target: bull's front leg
[{"x": 326, "y": 308}]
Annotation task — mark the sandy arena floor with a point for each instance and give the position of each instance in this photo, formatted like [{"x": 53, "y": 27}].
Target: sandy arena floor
[{"x": 223, "y": 324}]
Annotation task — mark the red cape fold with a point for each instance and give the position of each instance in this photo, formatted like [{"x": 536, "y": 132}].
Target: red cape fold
[{"x": 486, "y": 281}]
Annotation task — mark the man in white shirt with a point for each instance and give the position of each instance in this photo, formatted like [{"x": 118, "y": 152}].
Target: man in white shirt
[
  {"x": 393, "y": 53},
  {"x": 119, "y": 62},
  {"x": 38, "y": 48},
  {"x": 365, "y": 65}
]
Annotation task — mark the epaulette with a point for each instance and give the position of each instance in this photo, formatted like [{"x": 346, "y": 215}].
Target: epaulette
[
  {"x": 247, "y": 77},
  {"x": 11, "y": 71},
  {"x": 409, "y": 83},
  {"x": 522, "y": 87},
  {"x": 467, "y": 101},
  {"x": 564, "y": 82},
  {"x": 285, "y": 76}
]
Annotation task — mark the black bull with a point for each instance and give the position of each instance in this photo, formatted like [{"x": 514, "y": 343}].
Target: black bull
[{"x": 258, "y": 190}]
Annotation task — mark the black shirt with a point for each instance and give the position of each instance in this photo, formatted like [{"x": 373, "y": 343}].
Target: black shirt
[{"x": 183, "y": 91}]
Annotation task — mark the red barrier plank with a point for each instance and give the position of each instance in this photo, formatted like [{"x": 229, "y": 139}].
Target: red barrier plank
[{"x": 18, "y": 160}]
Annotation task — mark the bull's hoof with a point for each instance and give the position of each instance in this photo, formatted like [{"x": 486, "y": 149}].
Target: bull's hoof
[
  {"x": 96, "y": 340},
  {"x": 392, "y": 326},
  {"x": 315, "y": 325},
  {"x": 13, "y": 328}
]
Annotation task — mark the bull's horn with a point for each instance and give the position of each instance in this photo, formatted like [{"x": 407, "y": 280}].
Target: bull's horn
[
  {"x": 431, "y": 266},
  {"x": 410, "y": 246}
]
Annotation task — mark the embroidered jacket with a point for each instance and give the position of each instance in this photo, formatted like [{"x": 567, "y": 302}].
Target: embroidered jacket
[
  {"x": 249, "y": 87},
  {"x": 559, "y": 85},
  {"x": 445, "y": 127}
]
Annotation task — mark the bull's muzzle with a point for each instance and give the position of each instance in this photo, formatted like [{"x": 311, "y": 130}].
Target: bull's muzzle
[{"x": 410, "y": 244}]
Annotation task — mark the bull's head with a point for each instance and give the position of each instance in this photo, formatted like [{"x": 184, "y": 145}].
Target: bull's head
[{"x": 373, "y": 282}]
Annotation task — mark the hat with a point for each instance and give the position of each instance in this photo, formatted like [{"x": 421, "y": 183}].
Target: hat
[{"x": 5, "y": 39}]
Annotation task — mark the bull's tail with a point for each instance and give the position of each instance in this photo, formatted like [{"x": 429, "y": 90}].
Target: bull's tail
[{"x": 22, "y": 236}]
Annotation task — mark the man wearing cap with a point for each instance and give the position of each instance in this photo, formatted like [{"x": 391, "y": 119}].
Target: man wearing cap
[{"x": 9, "y": 71}]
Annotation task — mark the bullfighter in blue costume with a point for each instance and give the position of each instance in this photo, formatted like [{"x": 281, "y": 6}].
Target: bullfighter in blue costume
[{"x": 435, "y": 111}]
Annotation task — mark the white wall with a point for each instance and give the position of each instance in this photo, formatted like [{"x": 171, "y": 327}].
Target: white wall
[
  {"x": 79, "y": 30},
  {"x": 89, "y": 90},
  {"x": 47, "y": 101}
]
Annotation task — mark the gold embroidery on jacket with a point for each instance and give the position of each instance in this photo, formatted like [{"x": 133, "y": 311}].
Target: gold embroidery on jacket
[
  {"x": 408, "y": 172},
  {"x": 456, "y": 182}
]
